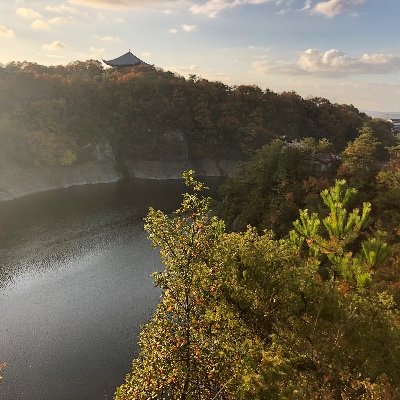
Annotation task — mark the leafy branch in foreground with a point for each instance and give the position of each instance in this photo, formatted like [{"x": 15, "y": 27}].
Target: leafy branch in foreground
[
  {"x": 186, "y": 349},
  {"x": 333, "y": 240}
]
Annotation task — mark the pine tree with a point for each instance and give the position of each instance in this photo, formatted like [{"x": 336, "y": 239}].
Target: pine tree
[
  {"x": 360, "y": 163},
  {"x": 334, "y": 241}
]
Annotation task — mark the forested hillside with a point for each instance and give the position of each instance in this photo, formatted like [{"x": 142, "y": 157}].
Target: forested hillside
[
  {"x": 247, "y": 315},
  {"x": 291, "y": 290},
  {"x": 61, "y": 115},
  {"x": 282, "y": 177}
]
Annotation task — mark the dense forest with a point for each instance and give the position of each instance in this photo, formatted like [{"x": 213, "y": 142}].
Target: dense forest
[
  {"x": 311, "y": 314},
  {"x": 282, "y": 178},
  {"x": 289, "y": 289},
  {"x": 62, "y": 115}
]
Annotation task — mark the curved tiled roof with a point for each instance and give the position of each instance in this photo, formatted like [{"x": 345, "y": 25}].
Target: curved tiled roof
[{"x": 126, "y": 60}]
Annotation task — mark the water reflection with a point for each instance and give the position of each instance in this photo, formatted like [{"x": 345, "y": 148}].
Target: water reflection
[{"x": 75, "y": 287}]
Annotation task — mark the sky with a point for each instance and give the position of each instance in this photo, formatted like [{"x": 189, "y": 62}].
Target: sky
[{"x": 345, "y": 50}]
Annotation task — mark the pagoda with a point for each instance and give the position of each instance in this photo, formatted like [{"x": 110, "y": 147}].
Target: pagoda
[{"x": 126, "y": 60}]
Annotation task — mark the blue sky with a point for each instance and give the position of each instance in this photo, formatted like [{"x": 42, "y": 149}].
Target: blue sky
[{"x": 345, "y": 50}]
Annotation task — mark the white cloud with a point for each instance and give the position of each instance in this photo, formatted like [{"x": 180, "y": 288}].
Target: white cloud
[
  {"x": 250, "y": 48},
  {"x": 189, "y": 28},
  {"x": 332, "y": 8},
  {"x": 93, "y": 53},
  {"x": 39, "y": 24},
  {"x": 122, "y": 3},
  {"x": 145, "y": 54},
  {"x": 183, "y": 28},
  {"x": 212, "y": 8},
  {"x": 307, "y": 5},
  {"x": 55, "y": 45},
  {"x": 193, "y": 69},
  {"x": 97, "y": 51},
  {"x": 56, "y": 56},
  {"x": 108, "y": 39},
  {"x": 27, "y": 13},
  {"x": 5, "y": 32},
  {"x": 207, "y": 7},
  {"x": 184, "y": 70},
  {"x": 62, "y": 8},
  {"x": 60, "y": 20},
  {"x": 107, "y": 3},
  {"x": 332, "y": 63}
]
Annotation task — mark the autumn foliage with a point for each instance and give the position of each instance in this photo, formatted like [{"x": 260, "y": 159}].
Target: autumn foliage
[{"x": 248, "y": 316}]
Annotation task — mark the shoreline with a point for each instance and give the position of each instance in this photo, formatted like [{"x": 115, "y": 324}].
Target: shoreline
[{"x": 20, "y": 182}]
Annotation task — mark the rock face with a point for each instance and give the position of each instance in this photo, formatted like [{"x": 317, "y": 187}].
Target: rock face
[
  {"x": 110, "y": 164},
  {"x": 18, "y": 182}
]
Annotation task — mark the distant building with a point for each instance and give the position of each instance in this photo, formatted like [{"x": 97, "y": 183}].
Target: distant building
[
  {"x": 125, "y": 61},
  {"x": 396, "y": 124}
]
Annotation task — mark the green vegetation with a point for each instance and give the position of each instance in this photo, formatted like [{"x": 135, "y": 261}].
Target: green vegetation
[
  {"x": 388, "y": 190},
  {"x": 268, "y": 191},
  {"x": 282, "y": 178},
  {"x": 61, "y": 115},
  {"x": 254, "y": 305},
  {"x": 248, "y": 316}
]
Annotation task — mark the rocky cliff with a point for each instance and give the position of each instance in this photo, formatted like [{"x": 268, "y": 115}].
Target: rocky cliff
[{"x": 17, "y": 182}]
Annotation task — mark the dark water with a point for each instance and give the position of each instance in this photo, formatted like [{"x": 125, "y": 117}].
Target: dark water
[{"x": 75, "y": 287}]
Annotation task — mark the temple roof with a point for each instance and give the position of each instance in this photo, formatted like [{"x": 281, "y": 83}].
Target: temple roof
[{"x": 126, "y": 60}]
